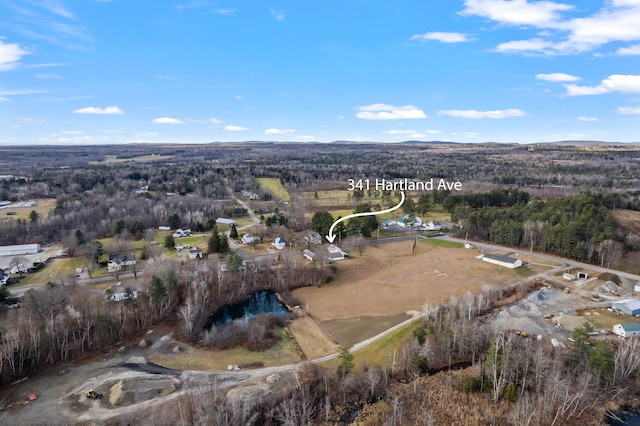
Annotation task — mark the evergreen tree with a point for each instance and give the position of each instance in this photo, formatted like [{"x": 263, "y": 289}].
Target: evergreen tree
[
  {"x": 169, "y": 242},
  {"x": 234, "y": 232},
  {"x": 213, "y": 245}
]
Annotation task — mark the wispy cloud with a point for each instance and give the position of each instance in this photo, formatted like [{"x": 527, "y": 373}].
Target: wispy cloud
[
  {"x": 613, "y": 83},
  {"x": 110, "y": 110},
  {"x": 4, "y": 94},
  {"x": 557, "y": 76},
  {"x": 442, "y": 37},
  {"x": 231, "y": 128},
  {"x": 389, "y": 112},
  {"x": 474, "y": 114},
  {"x": 50, "y": 21},
  {"x": 584, "y": 118},
  {"x": 204, "y": 7},
  {"x": 167, "y": 120},
  {"x": 48, "y": 76},
  {"x": 10, "y": 55},
  {"x": 278, "y": 15}
]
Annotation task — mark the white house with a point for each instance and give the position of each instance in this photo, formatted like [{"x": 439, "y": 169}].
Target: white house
[
  {"x": 117, "y": 262},
  {"x": 627, "y": 330},
  {"x": 182, "y": 232},
  {"x": 336, "y": 253},
  {"x": 313, "y": 237},
  {"x": 4, "y": 278},
  {"x": 387, "y": 223},
  {"x": 249, "y": 239},
  {"x": 498, "y": 259},
  {"x": 636, "y": 287},
  {"x": 279, "y": 244},
  {"x": 195, "y": 253},
  {"x": 118, "y": 293}
]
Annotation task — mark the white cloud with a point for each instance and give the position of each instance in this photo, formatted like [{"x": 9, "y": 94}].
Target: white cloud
[
  {"x": 10, "y": 55},
  {"x": 517, "y": 12},
  {"x": 629, "y": 51},
  {"x": 613, "y": 83},
  {"x": 557, "y": 76},
  {"x": 232, "y": 128},
  {"x": 389, "y": 112},
  {"x": 279, "y": 131},
  {"x": 628, "y": 110},
  {"x": 473, "y": 114},
  {"x": 238, "y": 97},
  {"x": 278, "y": 15},
  {"x": 433, "y": 132},
  {"x": 442, "y": 37},
  {"x": 400, "y": 132},
  {"x": 110, "y": 110},
  {"x": 167, "y": 120},
  {"x": 535, "y": 45},
  {"x": 215, "y": 121},
  {"x": 617, "y": 21},
  {"x": 583, "y": 118}
]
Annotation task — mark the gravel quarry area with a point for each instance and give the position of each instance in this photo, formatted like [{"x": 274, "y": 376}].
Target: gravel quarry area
[{"x": 131, "y": 388}]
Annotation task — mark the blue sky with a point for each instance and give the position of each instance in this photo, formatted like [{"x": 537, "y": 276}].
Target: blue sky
[{"x": 123, "y": 71}]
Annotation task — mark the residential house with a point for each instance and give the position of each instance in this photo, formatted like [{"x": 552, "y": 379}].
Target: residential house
[
  {"x": 279, "y": 244},
  {"x": 313, "y": 237},
  {"x": 336, "y": 253},
  {"x": 117, "y": 262},
  {"x": 250, "y": 239},
  {"x": 387, "y": 223},
  {"x": 195, "y": 253},
  {"x": 117, "y": 293},
  {"x": 4, "y": 278},
  {"x": 182, "y": 232}
]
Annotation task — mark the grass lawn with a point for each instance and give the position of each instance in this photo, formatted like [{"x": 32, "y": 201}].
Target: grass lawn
[
  {"x": 274, "y": 186},
  {"x": 43, "y": 208},
  {"x": 211, "y": 360},
  {"x": 603, "y": 318},
  {"x": 441, "y": 243},
  {"x": 55, "y": 270}
]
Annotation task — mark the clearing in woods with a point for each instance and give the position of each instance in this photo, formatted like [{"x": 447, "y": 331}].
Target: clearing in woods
[
  {"x": 274, "y": 186},
  {"x": 388, "y": 283}
]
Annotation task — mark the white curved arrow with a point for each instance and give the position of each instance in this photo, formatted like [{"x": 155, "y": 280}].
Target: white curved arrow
[{"x": 332, "y": 237}]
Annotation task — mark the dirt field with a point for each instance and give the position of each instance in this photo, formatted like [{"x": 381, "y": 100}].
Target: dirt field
[{"x": 387, "y": 280}]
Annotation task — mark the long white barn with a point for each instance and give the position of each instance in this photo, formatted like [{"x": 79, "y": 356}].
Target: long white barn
[
  {"x": 498, "y": 259},
  {"x": 19, "y": 250}
]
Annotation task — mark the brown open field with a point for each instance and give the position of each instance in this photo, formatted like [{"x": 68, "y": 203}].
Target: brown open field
[{"x": 387, "y": 280}]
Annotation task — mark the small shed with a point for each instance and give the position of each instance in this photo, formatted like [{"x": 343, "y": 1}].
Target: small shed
[{"x": 627, "y": 330}]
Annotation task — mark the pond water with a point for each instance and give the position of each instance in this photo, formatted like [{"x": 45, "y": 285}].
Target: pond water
[{"x": 260, "y": 302}]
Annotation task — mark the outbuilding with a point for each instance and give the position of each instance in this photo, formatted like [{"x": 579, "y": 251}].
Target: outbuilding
[
  {"x": 498, "y": 259},
  {"x": 627, "y": 306},
  {"x": 627, "y": 330},
  {"x": 223, "y": 221},
  {"x": 19, "y": 250}
]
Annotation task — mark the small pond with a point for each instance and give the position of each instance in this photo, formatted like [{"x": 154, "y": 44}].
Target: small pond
[{"x": 260, "y": 302}]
